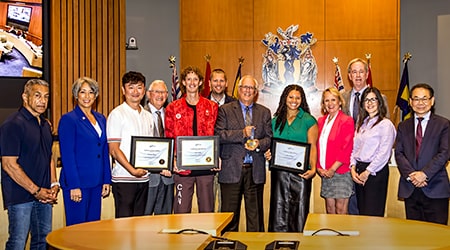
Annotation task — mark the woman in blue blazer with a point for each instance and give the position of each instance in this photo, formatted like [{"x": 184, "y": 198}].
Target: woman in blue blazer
[{"x": 86, "y": 173}]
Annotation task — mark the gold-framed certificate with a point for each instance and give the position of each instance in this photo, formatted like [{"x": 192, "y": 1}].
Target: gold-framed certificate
[
  {"x": 152, "y": 153},
  {"x": 290, "y": 155},
  {"x": 197, "y": 152}
]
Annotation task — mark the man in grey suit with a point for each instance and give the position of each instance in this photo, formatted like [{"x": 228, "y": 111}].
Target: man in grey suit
[
  {"x": 422, "y": 153},
  {"x": 245, "y": 131},
  {"x": 160, "y": 191}
]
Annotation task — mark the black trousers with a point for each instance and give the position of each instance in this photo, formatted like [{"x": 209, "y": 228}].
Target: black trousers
[
  {"x": 420, "y": 207},
  {"x": 253, "y": 197},
  {"x": 289, "y": 202},
  {"x": 372, "y": 196},
  {"x": 130, "y": 198}
]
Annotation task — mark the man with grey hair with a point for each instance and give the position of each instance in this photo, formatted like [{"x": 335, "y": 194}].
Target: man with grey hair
[
  {"x": 160, "y": 191},
  {"x": 28, "y": 172},
  {"x": 243, "y": 164}
]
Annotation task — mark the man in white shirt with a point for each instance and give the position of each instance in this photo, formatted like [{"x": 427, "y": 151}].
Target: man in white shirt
[
  {"x": 160, "y": 191},
  {"x": 129, "y": 184}
]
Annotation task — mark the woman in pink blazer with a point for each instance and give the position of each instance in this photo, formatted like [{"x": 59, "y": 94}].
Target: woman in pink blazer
[{"x": 334, "y": 148}]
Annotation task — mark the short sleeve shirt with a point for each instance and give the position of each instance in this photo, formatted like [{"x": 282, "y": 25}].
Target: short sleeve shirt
[
  {"x": 124, "y": 122},
  {"x": 21, "y": 135}
]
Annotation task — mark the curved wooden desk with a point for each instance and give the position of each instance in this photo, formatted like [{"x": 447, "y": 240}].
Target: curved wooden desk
[
  {"x": 374, "y": 233},
  {"x": 139, "y": 232}
]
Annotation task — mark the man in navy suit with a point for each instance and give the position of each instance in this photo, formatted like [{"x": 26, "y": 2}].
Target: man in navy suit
[
  {"x": 243, "y": 165},
  {"x": 422, "y": 153}
]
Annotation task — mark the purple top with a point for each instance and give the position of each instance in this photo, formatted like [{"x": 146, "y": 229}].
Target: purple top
[{"x": 373, "y": 144}]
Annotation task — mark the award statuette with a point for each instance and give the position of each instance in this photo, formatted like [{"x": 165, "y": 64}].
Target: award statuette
[{"x": 251, "y": 140}]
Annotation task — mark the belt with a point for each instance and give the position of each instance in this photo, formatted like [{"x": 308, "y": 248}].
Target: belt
[{"x": 247, "y": 165}]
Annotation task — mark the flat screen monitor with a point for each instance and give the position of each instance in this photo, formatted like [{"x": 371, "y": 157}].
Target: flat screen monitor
[
  {"x": 23, "y": 39},
  {"x": 25, "y": 52},
  {"x": 19, "y": 16}
]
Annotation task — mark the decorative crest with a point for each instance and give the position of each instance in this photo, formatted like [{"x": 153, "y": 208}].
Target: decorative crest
[{"x": 207, "y": 57}]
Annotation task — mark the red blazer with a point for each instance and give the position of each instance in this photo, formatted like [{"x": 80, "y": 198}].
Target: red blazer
[
  {"x": 340, "y": 142},
  {"x": 179, "y": 117}
]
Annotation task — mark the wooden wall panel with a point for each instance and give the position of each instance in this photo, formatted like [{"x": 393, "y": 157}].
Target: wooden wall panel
[
  {"x": 269, "y": 15},
  {"x": 359, "y": 20},
  {"x": 87, "y": 39},
  {"x": 345, "y": 29},
  {"x": 216, "y": 20},
  {"x": 224, "y": 55}
]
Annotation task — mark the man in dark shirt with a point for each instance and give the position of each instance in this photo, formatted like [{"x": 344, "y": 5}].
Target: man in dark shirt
[{"x": 29, "y": 183}]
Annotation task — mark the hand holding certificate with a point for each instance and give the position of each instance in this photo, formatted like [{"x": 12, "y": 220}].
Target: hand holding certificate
[
  {"x": 151, "y": 153},
  {"x": 197, "y": 152},
  {"x": 290, "y": 156}
]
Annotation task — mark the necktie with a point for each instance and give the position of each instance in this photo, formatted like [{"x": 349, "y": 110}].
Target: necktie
[
  {"x": 419, "y": 136},
  {"x": 160, "y": 124},
  {"x": 356, "y": 106},
  {"x": 248, "y": 122},
  {"x": 248, "y": 118}
]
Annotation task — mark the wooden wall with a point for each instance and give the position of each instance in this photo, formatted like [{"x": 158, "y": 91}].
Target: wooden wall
[
  {"x": 87, "y": 39},
  {"x": 345, "y": 29}
]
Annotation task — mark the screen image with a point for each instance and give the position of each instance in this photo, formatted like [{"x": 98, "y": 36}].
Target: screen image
[
  {"x": 19, "y": 13},
  {"x": 21, "y": 39}
]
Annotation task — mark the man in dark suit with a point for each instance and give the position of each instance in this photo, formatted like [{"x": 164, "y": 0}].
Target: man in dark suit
[
  {"x": 422, "y": 153},
  {"x": 160, "y": 187},
  {"x": 219, "y": 82},
  {"x": 243, "y": 164}
]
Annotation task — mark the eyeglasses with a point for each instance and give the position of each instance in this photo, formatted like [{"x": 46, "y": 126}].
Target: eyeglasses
[
  {"x": 425, "y": 100},
  {"x": 247, "y": 87},
  {"x": 371, "y": 100},
  {"x": 159, "y": 92}
]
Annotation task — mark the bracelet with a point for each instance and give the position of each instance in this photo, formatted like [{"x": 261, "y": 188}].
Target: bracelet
[
  {"x": 55, "y": 184},
  {"x": 37, "y": 192}
]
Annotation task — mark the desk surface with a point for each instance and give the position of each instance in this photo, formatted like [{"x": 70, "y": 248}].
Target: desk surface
[
  {"x": 139, "y": 232},
  {"x": 374, "y": 233}
]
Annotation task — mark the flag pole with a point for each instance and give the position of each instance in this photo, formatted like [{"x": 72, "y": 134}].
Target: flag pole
[
  {"x": 402, "y": 102},
  {"x": 238, "y": 78},
  {"x": 206, "y": 87}
]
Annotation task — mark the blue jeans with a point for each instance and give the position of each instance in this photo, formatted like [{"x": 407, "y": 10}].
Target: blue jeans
[{"x": 34, "y": 217}]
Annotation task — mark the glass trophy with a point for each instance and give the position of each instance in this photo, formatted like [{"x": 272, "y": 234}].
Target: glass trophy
[{"x": 251, "y": 143}]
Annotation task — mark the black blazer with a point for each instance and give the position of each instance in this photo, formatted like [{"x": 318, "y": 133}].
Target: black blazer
[{"x": 433, "y": 156}]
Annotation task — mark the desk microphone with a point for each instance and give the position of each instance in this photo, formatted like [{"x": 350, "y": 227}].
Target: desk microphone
[
  {"x": 225, "y": 245},
  {"x": 283, "y": 245}
]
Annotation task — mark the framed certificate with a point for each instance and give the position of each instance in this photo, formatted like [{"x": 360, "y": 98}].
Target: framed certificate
[
  {"x": 197, "y": 152},
  {"x": 289, "y": 155},
  {"x": 152, "y": 153}
]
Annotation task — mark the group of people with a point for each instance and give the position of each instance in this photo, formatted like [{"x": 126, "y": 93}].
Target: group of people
[{"x": 350, "y": 148}]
